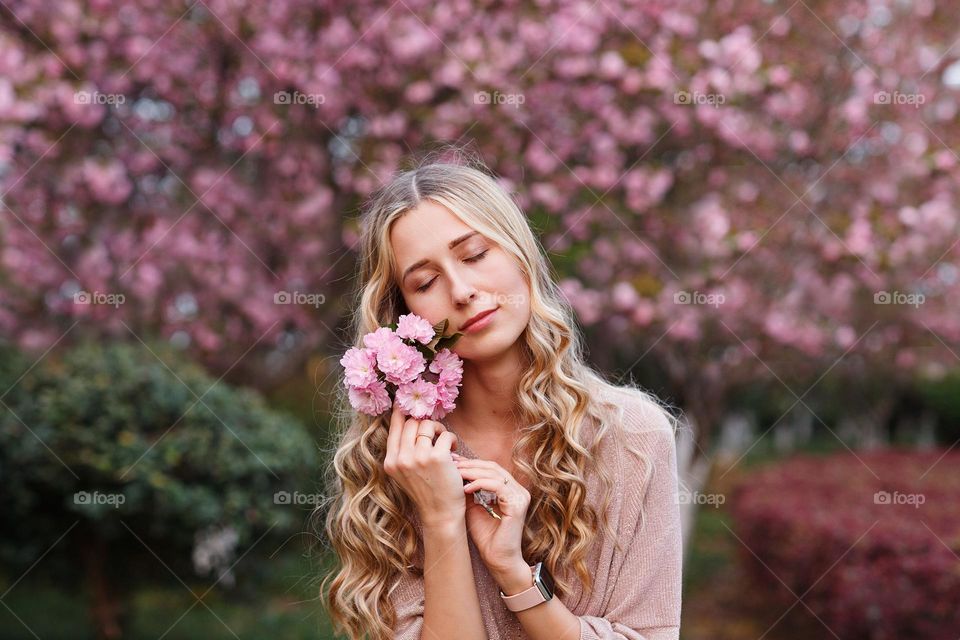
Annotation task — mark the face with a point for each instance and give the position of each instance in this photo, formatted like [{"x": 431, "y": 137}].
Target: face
[{"x": 457, "y": 277}]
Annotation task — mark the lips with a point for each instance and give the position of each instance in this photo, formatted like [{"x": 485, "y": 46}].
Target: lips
[{"x": 479, "y": 316}]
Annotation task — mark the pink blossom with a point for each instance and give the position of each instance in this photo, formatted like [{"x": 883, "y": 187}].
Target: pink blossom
[
  {"x": 782, "y": 231},
  {"x": 624, "y": 296},
  {"x": 446, "y": 362},
  {"x": 360, "y": 366},
  {"x": 446, "y": 395},
  {"x": 450, "y": 377},
  {"x": 413, "y": 327},
  {"x": 108, "y": 181},
  {"x": 400, "y": 362},
  {"x": 372, "y": 399},
  {"x": 417, "y": 398},
  {"x": 380, "y": 338}
]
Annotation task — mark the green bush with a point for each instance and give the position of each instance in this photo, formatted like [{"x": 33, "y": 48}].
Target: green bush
[
  {"x": 136, "y": 452},
  {"x": 942, "y": 397}
]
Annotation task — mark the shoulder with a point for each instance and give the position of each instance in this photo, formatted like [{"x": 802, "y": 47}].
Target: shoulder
[
  {"x": 637, "y": 415},
  {"x": 641, "y": 438}
]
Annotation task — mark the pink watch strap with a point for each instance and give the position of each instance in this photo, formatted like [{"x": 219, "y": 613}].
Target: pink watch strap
[{"x": 525, "y": 599}]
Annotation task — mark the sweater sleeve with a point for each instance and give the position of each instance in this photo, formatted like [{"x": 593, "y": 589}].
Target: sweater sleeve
[
  {"x": 644, "y": 603},
  {"x": 408, "y": 602}
]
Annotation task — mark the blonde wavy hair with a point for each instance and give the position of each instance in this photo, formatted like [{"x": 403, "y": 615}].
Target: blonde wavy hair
[{"x": 364, "y": 513}]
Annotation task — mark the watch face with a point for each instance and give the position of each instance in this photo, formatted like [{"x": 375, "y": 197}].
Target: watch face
[{"x": 544, "y": 580}]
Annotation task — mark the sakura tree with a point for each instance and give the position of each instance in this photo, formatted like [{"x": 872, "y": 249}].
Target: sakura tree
[{"x": 746, "y": 191}]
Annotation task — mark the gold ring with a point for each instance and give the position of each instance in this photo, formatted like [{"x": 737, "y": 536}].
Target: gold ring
[{"x": 424, "y": 435}]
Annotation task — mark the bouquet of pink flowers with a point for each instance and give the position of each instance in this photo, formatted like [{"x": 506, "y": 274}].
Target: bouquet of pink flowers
[{"x": 409, "y": 362}]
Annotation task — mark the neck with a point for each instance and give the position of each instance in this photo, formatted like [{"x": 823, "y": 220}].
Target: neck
[{"x": 488, "y": 395}]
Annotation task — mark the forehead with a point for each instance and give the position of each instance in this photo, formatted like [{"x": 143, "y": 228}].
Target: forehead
[{"x": 424, "y": 232}]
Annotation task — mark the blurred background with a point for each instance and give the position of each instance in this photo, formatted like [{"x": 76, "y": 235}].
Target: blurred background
[{"x": 752, "y": 206}]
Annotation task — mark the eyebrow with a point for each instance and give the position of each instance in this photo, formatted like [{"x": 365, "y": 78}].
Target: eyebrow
[{"x": 453, "y": 243}]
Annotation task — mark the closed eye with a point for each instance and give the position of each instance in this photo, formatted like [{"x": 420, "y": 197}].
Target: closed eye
[{"x": 476, "y": 258}]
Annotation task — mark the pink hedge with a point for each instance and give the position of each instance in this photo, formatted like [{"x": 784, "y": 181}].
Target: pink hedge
[{"x": 890, "y": 520}]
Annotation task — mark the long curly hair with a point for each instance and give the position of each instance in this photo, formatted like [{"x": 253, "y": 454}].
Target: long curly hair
[{"x": 365, "y": 514}]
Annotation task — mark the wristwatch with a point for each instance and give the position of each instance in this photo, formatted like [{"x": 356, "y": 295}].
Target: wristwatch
[{"x": 541, "y": 591}]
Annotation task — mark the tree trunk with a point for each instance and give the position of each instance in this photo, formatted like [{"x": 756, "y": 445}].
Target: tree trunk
[{"x": 105, "y": 604}]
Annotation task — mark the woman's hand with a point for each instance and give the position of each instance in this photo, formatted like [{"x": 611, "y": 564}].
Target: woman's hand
[
  {"x": 424, "y": 469},
  {"x": 497, "y": 541}
]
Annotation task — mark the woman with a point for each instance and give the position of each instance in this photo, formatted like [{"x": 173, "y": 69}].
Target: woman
[{"x": 584, "y": 471}]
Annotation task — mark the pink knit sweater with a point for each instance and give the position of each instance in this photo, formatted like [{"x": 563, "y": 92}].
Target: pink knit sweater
[{"x": 636, "y": 592}]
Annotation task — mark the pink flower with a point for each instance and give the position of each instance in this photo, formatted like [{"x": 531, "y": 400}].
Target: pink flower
[
  {"x": 413, "y": 327},
  {"x": 449, "y": 367},
  {"x": 447, "y": 364},
  {"x": 446, "y": 394},
  {"x": 417, "y": 398},
  {"x": 450, "y": 378},
  {"x": 360, "y": 366},
  {"x": 400, "y": 362},
  {"x": 108, "y": 182},
  {"x": 438, "y": 412},
  {"x": 372, "y": 400},
  {"x": 391, "y": 365},
  {"x": 380, "y": 338}
]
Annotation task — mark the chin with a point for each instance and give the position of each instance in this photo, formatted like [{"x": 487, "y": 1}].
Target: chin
[{"x": 485, "y": 346}]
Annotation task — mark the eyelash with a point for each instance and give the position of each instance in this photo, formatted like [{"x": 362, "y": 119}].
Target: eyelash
[{"x": 475, "y": 258}]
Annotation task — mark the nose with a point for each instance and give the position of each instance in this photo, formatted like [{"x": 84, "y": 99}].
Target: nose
[{"x": 462, "y": 289}]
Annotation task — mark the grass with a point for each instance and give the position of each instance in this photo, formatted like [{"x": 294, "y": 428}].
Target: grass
[
  {"x": 719, "y": 601},
  {"x": 285, "y": 606}
]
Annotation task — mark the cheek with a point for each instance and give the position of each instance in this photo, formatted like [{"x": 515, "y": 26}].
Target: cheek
[
  {"x": 516, "y": 282},
  {"x": 508, "y": 276},
  {"x": 424, "y": 305},
  {"x": 514, "y": 290}
]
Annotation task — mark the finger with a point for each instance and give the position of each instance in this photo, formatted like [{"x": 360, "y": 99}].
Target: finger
[
  {"x": 496, "y": 487},
  {"x": 497, "y": 484},
  {"x": 408, "y": 435},
  {"x": 432, "y": 427},
  {"x": 490, "y": 483},
  {"x": 482, "y": 464},
  {"x": 470, "y": 462},
  {"x": 426, "y": 427},
  {"x": 507, "y": 495},
  {"x": 439, "y": 425},
  {"x": 475, "y": 472},
  {"x": 445, "y": 441},
  {"x": 396, "y": 428}
]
